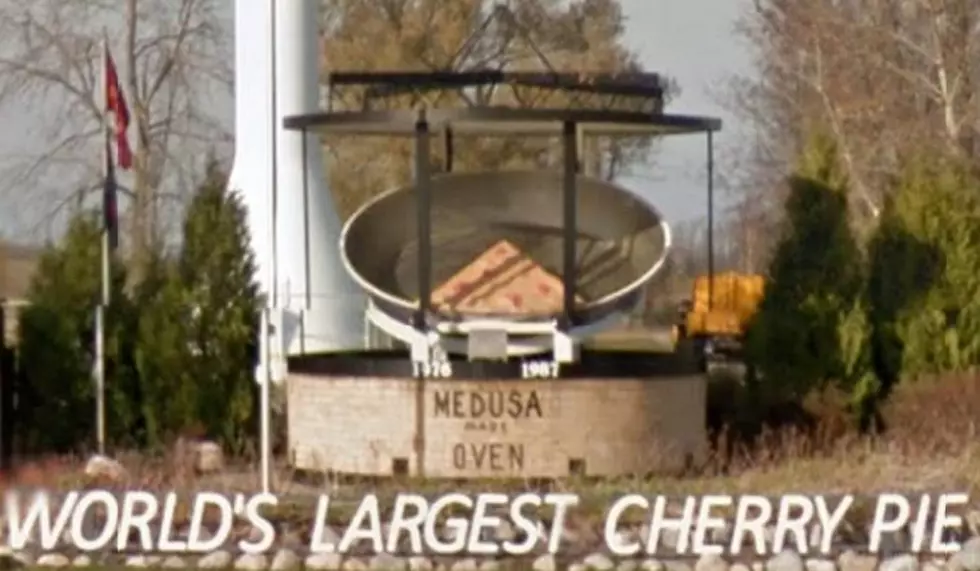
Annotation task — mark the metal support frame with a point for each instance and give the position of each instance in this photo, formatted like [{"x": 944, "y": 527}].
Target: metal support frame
[
  {"x": 372, "y": 90},
  {"x": 6, "y": 392},
  {"x": 265, "y": 416},
  {"x": 423, "y": 179},
  {"x": 449, "y": 148},
  {"x": 637, "y": 90},
  {"x": 711, "y": 219},
  {"x": 274, "y": 159},
  {"x": 306, "y": 226},
  {"x": 570, "y": 221},
  {"x": 631, "y": 105}
]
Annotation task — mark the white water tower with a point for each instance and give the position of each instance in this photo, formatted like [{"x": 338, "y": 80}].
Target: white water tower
[{"x": 293, "y": 222}]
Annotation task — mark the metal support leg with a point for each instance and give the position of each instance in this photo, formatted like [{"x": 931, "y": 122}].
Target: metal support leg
[
  {"x": 308, "y": 282},
  {"x": 711, "y": 220},
  {"x": 570, "y": 219},
  {"x": 449, "y": 148},
  {"x": 423, "y": 179},
  {"x": 564, "y": 347}
]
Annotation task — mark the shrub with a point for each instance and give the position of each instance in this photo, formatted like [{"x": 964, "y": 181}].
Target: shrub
[
  {"x": 924, "y": 282},
  {"x": 810, "y": 330}
]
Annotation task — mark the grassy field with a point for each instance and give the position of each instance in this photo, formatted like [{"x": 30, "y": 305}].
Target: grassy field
[
  {"x": 931, "y": 445},
  {"x": 782, "y": 463}
]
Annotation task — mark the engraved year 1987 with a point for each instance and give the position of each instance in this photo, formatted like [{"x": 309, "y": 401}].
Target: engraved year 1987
[{"x": 540, "y": 369}]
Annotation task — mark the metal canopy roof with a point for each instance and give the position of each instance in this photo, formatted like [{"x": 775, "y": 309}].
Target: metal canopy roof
[{"x": 501, "y": 121}]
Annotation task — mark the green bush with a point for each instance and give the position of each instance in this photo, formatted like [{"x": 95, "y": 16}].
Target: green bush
[
  {"x": 811, "y": 330},
  {"x": 180, "y": 345},
  {"x": 912, "y": 309},
  {"x": 221, "y": 302},
  {"x": 162, "y": 356},
  {"x": 924, "y": 282},
  {"x": 57, "y": 334}
]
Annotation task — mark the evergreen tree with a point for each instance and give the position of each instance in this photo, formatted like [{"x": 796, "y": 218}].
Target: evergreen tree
[
  {"x": 810, "y": 330},
  {"x": 162, "y": 354},
  {"x": 57, "y": 333},
  {"x": 217, "y": 273},
  {"x": 924, "y": 283}
]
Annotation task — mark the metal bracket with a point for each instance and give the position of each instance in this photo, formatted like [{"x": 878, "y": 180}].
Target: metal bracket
[
  {"x": 487, "y": 344},
  {"x": 565, "y": 348},
  {"x": 272, "y": 348},
  {"x": 426, "y": 348}
]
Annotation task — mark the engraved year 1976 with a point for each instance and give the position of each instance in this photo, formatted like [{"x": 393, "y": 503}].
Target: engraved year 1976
[{"x": 436, "y": 369}]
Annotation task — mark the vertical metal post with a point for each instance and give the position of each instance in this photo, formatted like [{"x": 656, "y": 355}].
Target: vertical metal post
[
  {"x": 711, "y": 219},
  {"x": 423, "y": 179},
  {"x": 106, "y": 296},
  {"x": 103, "y": 303},
  {"x": 100, "y": 377},
  {"x": 274, "y": 183},
  {"x": 418, "y": 443},
  {"x": 264, "y": 415},
  {"x": 266, "y": 376},
  {"x": 368, "y": 332},
  {"x": 587, "y": 150},
  {"x": 6, "y": 390},
  {"x": 306, "y": 227},
  {"x": 449, "y": 148},
  {"x": 100, "y": 334},
  {"x": 570, "y": 219}
]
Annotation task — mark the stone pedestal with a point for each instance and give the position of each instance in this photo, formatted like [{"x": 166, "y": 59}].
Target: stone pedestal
[{"x": 633, "y": 418}]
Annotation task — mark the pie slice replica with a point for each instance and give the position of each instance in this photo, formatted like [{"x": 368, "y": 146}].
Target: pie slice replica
[{"x": 501, "y": 281}]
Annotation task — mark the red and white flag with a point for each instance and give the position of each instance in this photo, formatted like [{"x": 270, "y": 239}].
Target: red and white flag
[{"x": 115, "y": 104}]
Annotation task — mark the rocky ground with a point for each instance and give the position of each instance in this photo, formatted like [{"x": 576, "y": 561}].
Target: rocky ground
[
  {"x": 932, "y": 449},
  {"x": 582, "y": 549},
  {"x": 582, "y": 554}
]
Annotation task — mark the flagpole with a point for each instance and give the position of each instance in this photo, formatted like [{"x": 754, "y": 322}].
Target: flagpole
[
  {"x": 107, "y": 157},
  {"x": 265, "y": 422},
  {"x": 101, "y": 307}
]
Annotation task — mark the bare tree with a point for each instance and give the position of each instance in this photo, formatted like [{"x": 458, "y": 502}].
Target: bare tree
[
  {"x": 887, "y": 78},
  {"x": 934, "y": 47},
  {"x": 428, "y": 35},
  {"x": 174, "y": 60}
]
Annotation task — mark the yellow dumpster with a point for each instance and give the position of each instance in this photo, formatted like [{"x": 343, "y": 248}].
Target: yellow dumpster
[{"x": 720, "y": 325}]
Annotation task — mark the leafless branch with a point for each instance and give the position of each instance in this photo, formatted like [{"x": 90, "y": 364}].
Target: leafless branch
[{"x": 175, "y": 57}]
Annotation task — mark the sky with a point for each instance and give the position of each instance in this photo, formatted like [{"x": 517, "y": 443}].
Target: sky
[{"x": 692, "y": 41}]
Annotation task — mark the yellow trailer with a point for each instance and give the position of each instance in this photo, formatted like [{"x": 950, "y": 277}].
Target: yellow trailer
[{"x": 717, "y": 326}]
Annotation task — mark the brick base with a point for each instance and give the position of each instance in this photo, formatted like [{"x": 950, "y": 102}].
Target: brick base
[{"x": 495, "y": 428}]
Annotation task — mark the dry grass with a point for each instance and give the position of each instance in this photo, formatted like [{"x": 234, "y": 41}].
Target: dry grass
[{"x": 931, "y": 445}]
